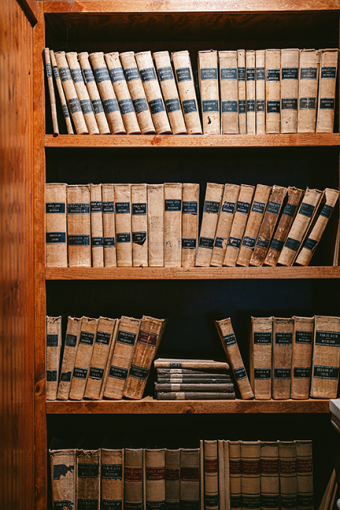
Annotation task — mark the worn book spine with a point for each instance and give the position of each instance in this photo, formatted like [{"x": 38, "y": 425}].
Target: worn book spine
[
  {"x": 288, "y": 475},
  {"x": 187, "y": 93},
  {"x": 109, "y": 358},
  {"x": 88, "y": 479},
  {"x": 221, "y": 475},
  {"x": 155, "y": 479},
  {"x": 109, "y": 229},
  {"x": 62, "y": 97},
  {"x": 273, "y": 90},
  {"x": 241, "y": 76},
  {"x": 250, "y": 474},
  {"x": 327, "y": 86},
  {"x": 201, "y": 475},
  {"x": 260, "y": 89},
  {"x": 308, "y": 90},
  {"x": 123, "y": 224},
  {"x": 189, "y": 481},
  {"x": 289, "y": 89},
  {"x": 172, "y": 224},
  {"x": 208, "y": 80},
  {"x": 190, "y": 198},
  {"x": 63, "y": 478},
  {"x": 133, "y": 479},
  {"x": 282, "y": 357},
  {"x": 219, "y": 371},
  {"x": 78, "y": 225},
  {"x": 112, "y": 479},
  {"x": 170, "y": 93},
  {"x": 250, "y": 91},
  {"x": 69, "y": 355},
  {"x": 192, "y": 386},
  {"x": 256, "y": 214},
  {"x": 187, "y": 378},
  {"x": 235, "y": 475},
  {"x": 48, "y": 69},
  {"x": 302, "y": 356},
  {"x": 225, "y": 220},
  {"x": 156, "y": 224},
  {"x": 294, "y": 197},
  {"x": 304, "y": 471},
  {"x": 225, "y": 481},
  {"x": 107, "y": 94},
  {"x": 211, "y": 475},
  {"x": 261, "y": 357},
  {"x": 212, "y": 205},
  {"x": 229, "y": 343},
  {"x": 326, "y": 357},
  {"x": 97, "y": 225},
  {"x": 268, "y": 225},
  {"x": 56, "y": 247},
  {"x": 229, "y": 91},
  {"x": 172, "y": 479},
  {"x": 238, "y": 226},
  {"x": 53, "y": 346},
  {"x": 194, "y": 395},
  {"x": 93, "y": 92},
  {"x": 270, "y": 481},
  {"x": 183, "y": 364},
  {"x": 139, "y": 225}
]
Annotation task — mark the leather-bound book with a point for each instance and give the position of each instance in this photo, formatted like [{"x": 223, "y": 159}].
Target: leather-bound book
[
  {"x": 211, "y": 475},
  {"x": 56, "y": 247},
  {"x": 282, "y": 357},
  {"x": 302, "y": 356},
  {"x": 88, "y": 479},
  {"x": 308, "y": 90},
  {"x": 96, "y": 207},
  {"x": 260, "y": 373},
  {"x": 112, "y": 479},
  {"x": 63, "y": 478},
  {"x": 273, "y": 90},
  {"x": 210, "y": 102},
  {"x": 53, "y": 348},
  {"x": 241, "y": 77},
  {"x": 172, "y": 224},
  {"x": 70, "y": 349},
  {"x": 190, "y": 197},
  {"x": 327, "y": 86},
  {"x": 211, "y": 210},
  {"x": 289, "y": 89},
  {"x": 229, "y": 91},
  {"x": 78, "y": 226},
  {"x": 123, "y": 224},
  {"x": 250, "y": 92},
  {"x": 139, "y": 225}
]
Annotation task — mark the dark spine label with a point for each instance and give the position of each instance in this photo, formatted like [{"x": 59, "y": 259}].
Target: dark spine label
[
  {"x": 273, "y": 74},
  {"x": 172, "y": 205},
  {"x": 250, "y": 105},
  {"x": 326, "y": 103},
  {"x": 273, "y": 106},
  {"x": 310, "y": 244},
  {"x": 65, "y": 376},
  {"x": 301, "y": 372},
  {"x": 306, "y": 210},
  {"x": 112, "y": 471},
  {"x": 172, "y": 105},
  {"x": 189, "y": 106},
  {"x": 123, "y": 237},
  {"x": 52, "y": 340},
  {"x": 289, "y": 104},
  {"x": 87, "y": 504},
  {"x": 165, "y": 73},
  {"x": 260, "y": 105},
  {"x": 250, "y": 74},
  {"x": 148, "y": 74},
  {"x": 103, "y": 338},
  {"x": 229, "y": 106},
  {"x": 96, "y": 207},
  {"x": 307, "y": 103},
  {"x": 156, "y": 106},
  {"x": 96, "y": 373},
  {"x": 303, "y": 337},
  {"x": 322, "y": 372},
  {"x": 126, "y": 106},
  {"x": 273, "y": 207},
  {"x": 234, "y": 242},
  {"x": 74, "y": 105},
  {"x": 289, "y": 210},
  {"x": 282, "y": 373},
  {"x": 228, "y": 207},
  {"x": 190, "y": 208},
  {"x": 51, "y": 375},
  {"x": 292, "y": 244},
  {"x": 241, "y": 106},
  {"x": 183, "y": 74},
  {"x": 328, "y": 72},
  {"x": 248, "y": 242},
  {"x": 140, "y": 105},
  {"x": 258, "y": 207},
  {"x": 276, "y": 245},
  {"x": 101, "y": 74},
  {"x": 139, "y": 372},
  {"x": 88, "y": 470},
  {"x": 241, "y": 73},
  {"x": 109, "y": 242},
  {"x": 240, "y": 373},
  {"x": 117, "y": 74},
  {"x": 131, "y": 74},
  {"x": 78, "y": 208},
  {"x": 282, "y": 338},
  {"x": 138, "y": 209},
  {"x": 260, "y": 73},
  {"x": 86, "y": 106},
  {"x": 211, "y": 207},
  {"x": 78, "y": 240},
  {"x": 209, "y": 73},
  {"x": 97, "y": 106},
  {"x": 206, "y": 242},
  {"x": 122, "y": 207},
  {"x": 108, "y": 207},
  {"x": 55, "y": 237},
  {"x": 65, "y": 74},
  {"x": 242, "y": 207},
  {"x": 80, "y": 373},
  {"x": 262, "y": 373},
  {"x": 110, "y": 106},
  {"x": 56, "y": 72},
  {"x": 76, "y": 75},
  {"x": 139, "y": 237},
  {"x": 229, "y": 339},
  {"x": 289, "y": 73},
  {"x": 228, "y": 73},
  {"x": 326, "y": 211},
  {"x": 210, "y": 106},
  {"x": 262, "y": 338},
  {"x": 97, "y": 241},
  {"x": 118, "y": 372},
  {"x": 48, "y": 70},
  {"x": 308, "y": 73},
  {"x": 328, "y": 338},
  {"x": 71, "y": 340},
  {"x": 126, "y": 337},
  {"x": 189, "y": 244},
  {"x": 65, "y": 111},
  {"x": 262, "y": 242},
  {"x": 86, "y": 338},
  {"x": 88, "y": 75}
]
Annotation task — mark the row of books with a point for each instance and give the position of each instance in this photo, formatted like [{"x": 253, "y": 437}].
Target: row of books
[
  {"x": 253, "y": 92},
  {"x": 156, "y": 225},
  {"x": 219, "y": 475}
]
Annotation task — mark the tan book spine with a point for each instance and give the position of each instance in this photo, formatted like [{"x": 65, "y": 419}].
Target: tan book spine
[
  {"x": 250, "y": 474},
  {"x": 225, "y": 220},
  {"x": 260, "y": 372},
  {"x": 109, "y": 228},
  {"x": 112, "y": 478},
  {"x": 308, "y": 90},
  {"x": 122, "y": 357},
  {"x": 106, "y": 92},
  {"x": 187, "y": 93},
  {"x": 172, "y": 479},
  {"x": 294, "y": 197},
  {"x": 289, "y": 89},
  {"x": 282, "y": 357},
  {"x": 123, "y": 224},
  {"x": 189, "y": 223},
  {"x": 63, "y": 478},
  {"x": 238, "y": 226},
  {"x": 235, "y": 475},
  {"x": 156, "y": 225},
  {"x": 268, "y": 225},
  {"x": 229, "y": 343},
  {"x": 201, "y": 475},
  {"x": 273, "y": 90},
  {"x": 109, "y": 359},
  {"x": 83, "y": 358},
  {"x": 53, "y": 105},
  {"x": 190, "y": 478},
  {"x": 155, "y": 478},
  {"x": 270, "y": 480},
  {"x": 61, "y": 94},
  {"x": 210, "y": 474},
  {"x": 229, "y": 91},
  {"x": 260, "y": 90},
  {"x": 93, "y": 92},
  {"x": 180, "y": 364},
  {"x": 69, "y": 356},
  {"x": 316, "y": 230},
  {"x": 327, "y": 86},
  {"x": 304, "y": 470},
  {"x": 208, "y": 80},
  {"x": 250, "y": 91},
  {"x": 172, "y": 224},
  {"x": 88, "y": 479},
  {"x": 170, "y": 93},
  {"x": 53, "y": 346},
  {"x": 225, "y": 487},
  {"x": 302, "y": 356},
  {"x": 221, "y": 475},
  {"x": 71, "y": 94},
  {"x": 97, "y": 225},
  {"x": 288, "y": 475},
  {"x": 133, "y": 478},
  {"x": 78, "y": 226},
  {"x": 139, "y": 225},
  {"x": 212, "y": 205},
  {"x": 56, "y": 247},
  {"x": 255, "y": 217},
  {"x": 241, "y": 74}
]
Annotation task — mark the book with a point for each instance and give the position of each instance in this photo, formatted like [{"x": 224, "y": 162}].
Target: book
[
  {"x": 112, "y": 478},
  {"x": 260, "y": 91},
  {"x": 208, "y": 80},
  {"x": 182, "y": 364},
  {"x": 224, "y": 475},
  {"x": 270, "y": 480},
  {"x": 61, "y": 93},
  {"x": 109, "y": 228},
  {"x": 201, "y": 475},
  {"x": 78, "y": 225},
  {"x": 96, "y": 207},
  {"x": 194, "y": 395},
  {"x": 273, "y": 90},
  {"x": 189, "y": 378},
  {"x": 88, "y": 479},
  {"x": 48, "y": 69},
  {"x": 156, "y": 224},
  {"x": 172, "y": 479},
  {"x": 289, "y": 89},
  {"x": 241, "y": 84},
  {"x": 282, "y": 357},
  {"x": 122, "y": 193},
  {"x": 189, "y": 479},
  {"x": 172, "y": 224},
  {"x": 229, "y": 91},
  {"x": 139, "y": 225},
  {"x": 53, "y": 346},
  {"x": 56, "y": 247},
  {"x": 304, "y": 471},
  {"x": 250, "y": 474},
  {"x": 260, "y": 372},
  {"x": 155, "y": 478},
  {"x": 327, "y": 86},
  {"x": 235, "y": 475},
  {"x": 250, "y": 91},
  {"x": 220, "y": 371},
  {"x": 211, "y": 498},
  {"x": 326, "y": 357},
  {"x": 63, "y": 477},
  {"x": 69, "y": 355},
  {"x": 229, "y": 343},
  {"x": 308, "y": 90},
  {"x": 302, "y": 356},
  {"x": 133, "y": 478},
  {"x": 190, "y": 198},
  {"x": 212, "y": 205},
  {"x": 195, "y": 387},
  {"x": 288, "y": 476}
]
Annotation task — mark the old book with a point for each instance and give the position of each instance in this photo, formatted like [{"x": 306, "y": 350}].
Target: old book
[
  {"x": 69, "y": 355},
  {"x": 122, "y": 200},
  {"x": 155, "y": 478},
  {"x": 326, "y": 357},
  {"x": 241, "y": 85},
  {"x": 208, "y": 80},
  {"x": 93, "y": 92},
  {"x": 139, "y": 225},
  {"x": 273, "y": 90},
  {"x": 88, "y": 479},
  {"x": 327, "y": 83},
  {"x": 250, "y": 474},
  {"x": 270, "y": 481},
  {"x": 212, "y": 205},
  {"x": 288, "y": 476},
  {"x": 206, "y": 378},
  {"x": 109, "y": 358},
  {"x": 172, "y": 224},
  {"x": 97, "y": 225},
  {"x": 109, "y": 229},
  {"x": 260, "y": 90},
  {"x": 218, "y": 372},
  {"x": 56, "y": 247},
  {"x": 201, "y": 475},
  {"x": 268, "y": 224},
  {"x": 190, "y": 198},
  {"x": 304, "y": 471},
  {"x": 294, "y": 197},
  {"x": 330, "y": 198},
  {"x": 289, "y": 89},
  {"x": 308, "y": 90},
  {"x": 235, "y": 475},
  {"x": 78, "y": 225},
  {"x": 186, "y": 89},
  {"x": 170, "y": 93},
  {"x": 225, "y": 220},
  {"x": 189, "y": 481},
  {"x": 83, "y": 358},
  {"x": 112, "y": 479},
  {"x": 253, "y": 225},
  {"x": 282, "y": 357},
  {"x": 198, "y": 364},
  {"x": 302, "y": 356},
  {"x": 48, "y": 69},
  {"x": 63, "y": 478},
  {"x": 133, "y": 478},
  {"x": 107, "y": 93},
  {"x": 229, "y": 91},
  {"x": 224, "y": 483},
  {"x": 211, "y": 474},
  {"x": 250, "y": 91},
  {"x": 122, "y": 357},
  {"x": 260, "y": 372},
  {"x": 156, "y": 224},
  {"x": 53, "y": 346},
  {"x": 221, "y": 475},
  {"x": 172, "y": 479},
  {"x": 62, "y": 97},
  {"x": 229, "y": 343},
  {"x": 303, "y": 219},
  {"x": 194, "y": 395},
  {"x": 238, "y": 226},
  {"x": 195, "y": 387}
]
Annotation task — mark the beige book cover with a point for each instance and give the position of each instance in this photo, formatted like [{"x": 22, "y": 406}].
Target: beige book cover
[
  {"x": 172, "y": 478},
  {"x": 229, "y": 91},
  {"x": 308, "y": 90},
  {"x": 282, "y": 357},
  {"x": 48, "y": 69},
  {"x": 155, "y": 478},
  {"x": 69, "y": 355},
  {"x": 62, "y": 97},
  {"x": 109, "y": 358},
  {"x": 235, "y": 475},
  {"x": 190, "y": 199},
  {"x": 221, "y": 475},
  {"x": 139, "y": 225},
  {"x": 63, "y": 477},
  {"x": 97, "y": 225},
  {"x": 289, "y": 89},
  {"x": 187, "y": 93},
  {"x": 327, "y": 86},
  {"x": 211, "y": 210},
  {"x": 56, "y": 247},
  {"x": 241, "y": 74},
  {"x": 288, "y": 475},
  {"x": 273, "y": 90},
  {"x": 53, "y": 347},
  {"x": 172, "y": 224},
  {"x": 260, "y": 372},
  {"x": 112, "y": 478},
  {"x": 250, "y": 474},
  {"x": 211, "y": 475},
  {"x": 133, "y": 478},
  {"x": 250, "y": 91},
  {"x": 156, "y": 225},
  {"x": 201, "y": 475},
  {"x": 270, "y": 479},
  {"x": 190, "y": 480},
  {"x": 260, "y": 91},
  {"x": 123, "y": 224},
  {"x": 78, "y": 225},
  {"x": 88, "y": 478},
  {"x": 197, "y": 364},
  {"x": 208, "y": 80},
  {"x": 109, "y": 229},
  {"x": 302, "y": 356},
  {"x": 225, "y": 482},
  {"x": 304, "y": 471}
]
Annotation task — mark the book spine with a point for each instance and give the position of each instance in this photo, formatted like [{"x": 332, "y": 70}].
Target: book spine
[
  {"x": 270, "y": 481},
  {"x": 289, "y": 89},
  {"x": 78, "y": 226},
  {"x": 194, "y": 387},
  {"x": 288, "y": 476},
  {"x": 53, "y": 346},
  {"x": 88, "y": 479},
  {"x": 62, "y": 97},
  {"x": 133, "y": 479},
  {"x": 282, "y": 357},
  {"x": 273, "y": 90},
  {"x": 250, "y": 474},
  {"x": 178, "y": 379},
  {"x": 241, "y": 84},
  {"x": 123, "y": 224},
  {"x": 302, "y": 356},
  {"x": 53, "y": 105},
  {"x": 172, "y": 224},
  {"x": 170, "y": 93},
  {"x": 212, "y": 205},
  {"x": 139, "y": 225},
  {"x": 250, "y": 91},
  {"x": 221, "y": 475},
  {"x": 201, "y": 476},
  {"x": 308, "y": 90},
  {"x": 260, "y": 89},
  {"x": 177, "y": 366},
  {"x": 69, "y": 355},
  {"x": 261, "y": 357},
  {"x": 208, "y": 79},
  {"x": 210, "y": 475},
  {"x": 235, "y": 475},
  {"x": 155, "y": 479},
  {"x": 63, "y": 478},
  {"x": 97, "y": 225},
  {"x": 189, "y": 479},
  {"x": 172, "y": 479},
  {"x": 156, "y": 224},
  {"x": 187, "y": 93},
  {"x": 112, "y": 479},
  {"x": 109, "y": 358},
  {"x": 194, "y": 395},
  {"x": 229, "y": 91},
  {"x": 226, "y": 482},
  {"x": 109, "y": 228},
  {"x": 327, "y": 86},
  {"x": 56, "y": 247},
  {"x": 190, "y": 197},
  {"x": 304, "y": 469}
]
